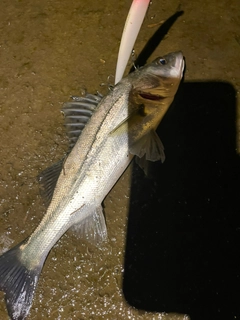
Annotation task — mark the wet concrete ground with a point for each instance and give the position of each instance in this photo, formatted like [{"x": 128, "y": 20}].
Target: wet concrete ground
[{"x": 49, "y": 51}]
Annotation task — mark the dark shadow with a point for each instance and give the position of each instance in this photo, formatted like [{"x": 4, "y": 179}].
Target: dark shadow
[
  {"x": 183, "y": 234},
  {"x": 155, "y": 40}
]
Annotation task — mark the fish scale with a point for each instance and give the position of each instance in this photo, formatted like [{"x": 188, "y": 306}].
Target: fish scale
[{"x": 114, "y": 129}]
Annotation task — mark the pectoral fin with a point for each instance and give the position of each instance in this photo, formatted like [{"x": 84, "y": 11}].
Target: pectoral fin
[
  {"x": 93, "y": 228},
  {"x": 149, "y": 146}
]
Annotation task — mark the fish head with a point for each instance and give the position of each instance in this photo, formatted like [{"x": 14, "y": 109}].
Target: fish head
[
  {"x": 153, "y": 89},
  {"x": 159, "y": 79}
]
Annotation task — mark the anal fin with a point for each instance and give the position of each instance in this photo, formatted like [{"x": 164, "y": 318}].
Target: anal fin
[{"x": 93, "y": 228}]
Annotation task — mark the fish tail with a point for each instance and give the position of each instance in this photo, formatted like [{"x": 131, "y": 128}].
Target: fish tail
[{"x": 18, "y": 282}]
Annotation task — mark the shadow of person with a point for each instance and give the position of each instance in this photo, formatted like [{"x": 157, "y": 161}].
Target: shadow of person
[
  {"x": 155, "y": 40},
  {"x": 184, "y": 223}
]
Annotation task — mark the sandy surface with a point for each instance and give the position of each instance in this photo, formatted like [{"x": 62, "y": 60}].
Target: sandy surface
[{"x": 50, "y": 50}]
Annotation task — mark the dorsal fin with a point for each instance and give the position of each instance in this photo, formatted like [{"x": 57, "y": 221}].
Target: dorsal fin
[
  {"x": 77, "y": 113},
  {"x": 48, "y": 179}
]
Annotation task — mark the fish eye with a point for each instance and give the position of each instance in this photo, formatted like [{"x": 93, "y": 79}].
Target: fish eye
[{"x": 162, "y": 61}]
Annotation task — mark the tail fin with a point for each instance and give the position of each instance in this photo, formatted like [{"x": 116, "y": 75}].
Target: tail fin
[{"x": 18, "y": 282}]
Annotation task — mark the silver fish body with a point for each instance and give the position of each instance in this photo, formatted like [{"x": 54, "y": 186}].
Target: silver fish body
[{"x": 122, "y": 125}]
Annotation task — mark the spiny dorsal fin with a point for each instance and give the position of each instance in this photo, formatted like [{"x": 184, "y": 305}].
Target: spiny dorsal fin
[{"x": 77, "y": 113}]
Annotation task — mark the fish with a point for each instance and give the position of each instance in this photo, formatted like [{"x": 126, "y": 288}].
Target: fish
[{"x": 105, "y": 134}]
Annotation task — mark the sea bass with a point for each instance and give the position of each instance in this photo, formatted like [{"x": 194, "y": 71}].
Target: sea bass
[{"x": 106, "y": 133}]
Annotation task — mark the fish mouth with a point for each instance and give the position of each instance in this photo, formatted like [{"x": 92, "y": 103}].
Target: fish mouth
[
  {"x": 180, "y": 63},
  {"x": 150, "y": 96}
]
